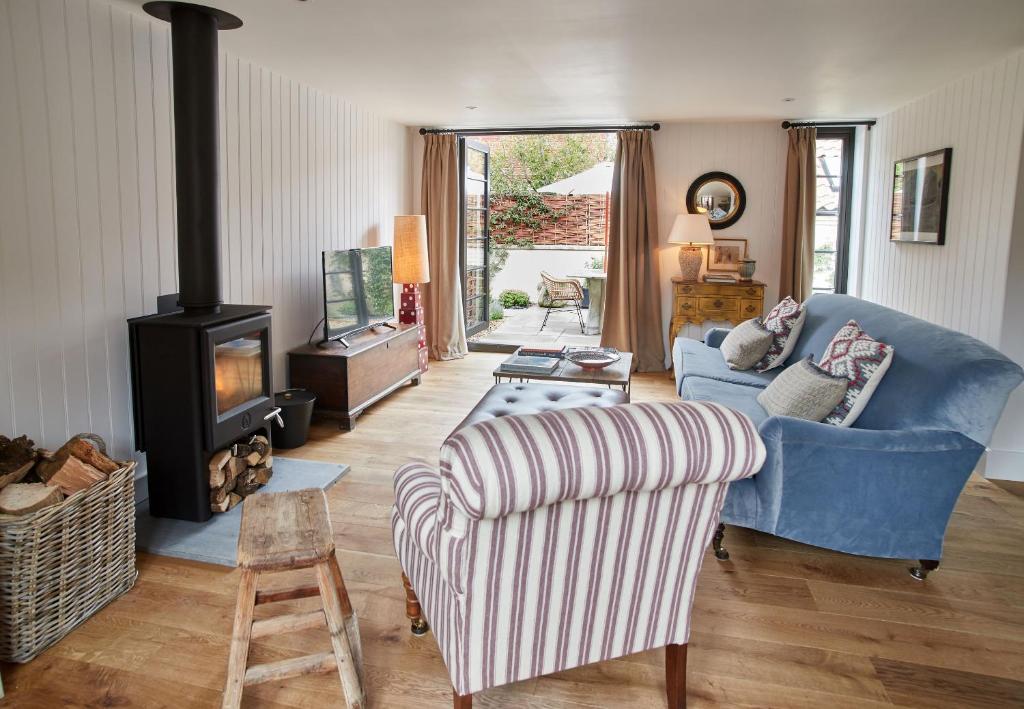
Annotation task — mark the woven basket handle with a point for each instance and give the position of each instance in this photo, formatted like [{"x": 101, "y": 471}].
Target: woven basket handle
[{"x": 96, "y": 440}]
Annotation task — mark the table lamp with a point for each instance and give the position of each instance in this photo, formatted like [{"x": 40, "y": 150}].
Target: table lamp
[
  {"x": 412, "y": 267},
  {"x": 692, "y": 231}
]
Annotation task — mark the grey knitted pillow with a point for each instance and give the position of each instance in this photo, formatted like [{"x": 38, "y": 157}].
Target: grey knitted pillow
[
  {"x": 746, "y": 344},
  {"x": 804, "y": 391}
]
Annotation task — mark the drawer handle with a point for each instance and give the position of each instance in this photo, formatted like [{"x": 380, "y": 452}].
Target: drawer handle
[
  {"x": 751, "y": 291},
  {"x": 687, "y": 289},
  {"x": 686, "y": 306},
  {"x": 750, "y": 308},
  {"x": 717, "y": 304}
]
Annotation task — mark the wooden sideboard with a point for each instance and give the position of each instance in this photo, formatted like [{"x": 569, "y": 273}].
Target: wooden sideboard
[
  {"x": 348, "y": 379},
  {"x": 696, "y": 301}
]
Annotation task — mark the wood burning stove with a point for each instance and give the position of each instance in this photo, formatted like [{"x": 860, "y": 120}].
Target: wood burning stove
[
  {"x": 201, "y": 376},
  {"x": 201, "y": 382}
]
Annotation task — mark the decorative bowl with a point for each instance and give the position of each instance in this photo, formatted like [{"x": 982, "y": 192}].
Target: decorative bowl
[{"x": 593, "y": 359}]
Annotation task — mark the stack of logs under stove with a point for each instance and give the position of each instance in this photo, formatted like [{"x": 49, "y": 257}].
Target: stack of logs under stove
[{"x": 238, "y": 472}]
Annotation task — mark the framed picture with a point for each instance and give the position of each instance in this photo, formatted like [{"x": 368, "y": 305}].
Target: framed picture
[
  {"x": 724, "y": 255},
  {"x": 920, "y": 197}
]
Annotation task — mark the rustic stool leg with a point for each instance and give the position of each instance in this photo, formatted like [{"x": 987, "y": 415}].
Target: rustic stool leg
[
  {"x": 330, "y": 596},
  {"x": 413, "y": 611},
  {"x": 351, "y": 622},
  {"x": 240, "y": 636}
]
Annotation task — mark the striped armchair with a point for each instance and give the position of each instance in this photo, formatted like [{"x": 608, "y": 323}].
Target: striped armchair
[{"x": 549, "y": 541}]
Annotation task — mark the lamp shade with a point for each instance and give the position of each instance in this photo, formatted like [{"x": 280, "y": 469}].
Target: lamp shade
[
  {"x": 692, "y": 229},
  {"x": 411, "y": 264}
]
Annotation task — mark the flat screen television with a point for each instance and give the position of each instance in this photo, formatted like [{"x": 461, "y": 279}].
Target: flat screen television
[{"x": 358, "y": 290}]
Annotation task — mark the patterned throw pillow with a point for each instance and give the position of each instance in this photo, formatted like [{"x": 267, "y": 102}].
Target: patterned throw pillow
[
  {"x": 785, "y": 321},
  {"x": 854, "y": 354},
  {"x": 804, "y": 391},
  {"x": 745, "y": 344}
]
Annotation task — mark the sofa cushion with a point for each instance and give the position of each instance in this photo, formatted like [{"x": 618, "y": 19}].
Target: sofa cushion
[
  {"x": 513, "y": 399},
  {"x": 746, "y": 344},
  {"x": 736, "y": 396},
  {"x": 804, "y": 391},
  {"x": 863, "y": 360},
  {"x": 785, "y": 321},
  {"x": 692, "y": 358}
]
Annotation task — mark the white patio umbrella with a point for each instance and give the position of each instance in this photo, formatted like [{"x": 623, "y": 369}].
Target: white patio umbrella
[{"x": 595, "y": 180}]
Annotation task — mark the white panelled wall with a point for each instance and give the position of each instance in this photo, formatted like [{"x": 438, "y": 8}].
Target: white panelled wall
[
  {"x": 963, "y": 284},
  {"x": 960, "y": 285},
  {"x": 87, "y": 236},
  {"x": 753, "y": 152}
]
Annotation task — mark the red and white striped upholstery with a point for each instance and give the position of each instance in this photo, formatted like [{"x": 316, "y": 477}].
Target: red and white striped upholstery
[{"x": 549, "y": 541}]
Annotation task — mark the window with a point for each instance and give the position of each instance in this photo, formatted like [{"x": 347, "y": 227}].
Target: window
[{"x": 832, "y": 215}]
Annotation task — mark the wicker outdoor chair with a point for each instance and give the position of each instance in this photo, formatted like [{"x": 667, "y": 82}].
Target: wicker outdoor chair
[{"x": 565, "y": 291}]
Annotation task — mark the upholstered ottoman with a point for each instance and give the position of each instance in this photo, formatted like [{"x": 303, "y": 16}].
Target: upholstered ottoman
[{"x": 511, "y": 399}]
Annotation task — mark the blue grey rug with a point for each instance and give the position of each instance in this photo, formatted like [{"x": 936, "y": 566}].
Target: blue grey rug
[{"x": 215, "y": 541}]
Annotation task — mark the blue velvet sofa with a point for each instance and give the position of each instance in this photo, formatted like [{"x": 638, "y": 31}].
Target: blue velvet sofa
[{"x": 885, "y": 487}]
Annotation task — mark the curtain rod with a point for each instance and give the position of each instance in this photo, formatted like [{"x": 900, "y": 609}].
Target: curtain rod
[
  {"x": 539, "y": 131},
  {"x": 827, "y": 124}
]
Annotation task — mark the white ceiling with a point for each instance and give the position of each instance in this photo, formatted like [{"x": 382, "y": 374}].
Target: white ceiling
[{"x": 533, "y": 62}]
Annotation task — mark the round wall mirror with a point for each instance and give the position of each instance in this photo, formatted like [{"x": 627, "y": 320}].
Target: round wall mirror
[{"x": 720, "y": 196}]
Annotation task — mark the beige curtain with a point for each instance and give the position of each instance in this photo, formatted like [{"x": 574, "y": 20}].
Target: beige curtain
[
  {"x": 798, "y": 215},
  {"x": 632, "y": 315},
  {"x": 446, "y": 328}
]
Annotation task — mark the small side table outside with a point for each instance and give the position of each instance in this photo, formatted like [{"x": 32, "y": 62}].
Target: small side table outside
[
  {"x": 614, "y": 375},
  {"x": 595, "y": 283}
]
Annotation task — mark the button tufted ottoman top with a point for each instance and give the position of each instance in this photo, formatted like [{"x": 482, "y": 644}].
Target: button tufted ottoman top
[{"x": 511, "y": 399}]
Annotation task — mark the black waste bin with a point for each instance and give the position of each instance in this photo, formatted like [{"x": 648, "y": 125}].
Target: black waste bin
[{"x": 296, "y": 412}]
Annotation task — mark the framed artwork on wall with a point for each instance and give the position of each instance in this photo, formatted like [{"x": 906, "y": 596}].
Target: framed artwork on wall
[
  {"x": 920, "y": 198},
  {"x": 725, "y": 255}
]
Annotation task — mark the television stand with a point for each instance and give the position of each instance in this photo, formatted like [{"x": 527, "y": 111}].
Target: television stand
[{"x": 347, "y": 380}]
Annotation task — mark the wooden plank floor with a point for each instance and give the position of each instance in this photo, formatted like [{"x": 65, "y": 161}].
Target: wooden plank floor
[{"x": 780, "y": 625}]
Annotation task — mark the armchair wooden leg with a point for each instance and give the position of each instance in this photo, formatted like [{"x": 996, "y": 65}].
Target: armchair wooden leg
[
  {"x": 675, "y": 675},
  {"x": 412, "y": 609},
  {"x": 461, "y": 701},
  {"x": 716, "y": 543},
  {"x": 921, "y": 572}
]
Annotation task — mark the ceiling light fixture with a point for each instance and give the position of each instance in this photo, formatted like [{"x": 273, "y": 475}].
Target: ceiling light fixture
[
  {"x": 788, "y": 99},
  {"x": 472, "y": 108}
]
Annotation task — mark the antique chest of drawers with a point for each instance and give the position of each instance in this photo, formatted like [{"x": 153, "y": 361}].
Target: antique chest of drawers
[{"x": 696, "y": 301}]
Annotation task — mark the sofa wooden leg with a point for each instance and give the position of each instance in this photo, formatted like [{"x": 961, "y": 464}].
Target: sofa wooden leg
[
  {"x": 412, "y": 609},
  {"x": 675, "y": 675},
  {"x": 716, "y": 542},
  {"x": 462, "y": 701},
  {"x": 921, "y": 572}
]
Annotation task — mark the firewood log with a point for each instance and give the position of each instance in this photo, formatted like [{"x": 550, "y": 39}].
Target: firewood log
[
  {"x": 88, "y": 453},
  {"x": 74, "y": 475},
  {"x": 218, "y": 495},
  {"x": 76, "y": 448},
  {"x": 22, "y": 498},
  {"x": 219, "y": 506},
  {"x": 263, "y": 473},
  {"x": 233, "y": 500},
  {"x": 260, "y": 445},
  {"x": 15, "y": 454},
  {"x": 217, "y": 464},
  {"x": 17, "y": 475},
  {"x": 237, "y": 466},
  {"x": 246, "y": 483}
]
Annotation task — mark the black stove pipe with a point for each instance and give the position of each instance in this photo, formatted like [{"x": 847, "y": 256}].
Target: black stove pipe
[{"x": 195, "y": 60}]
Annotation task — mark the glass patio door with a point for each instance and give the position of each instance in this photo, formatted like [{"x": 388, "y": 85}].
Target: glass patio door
[{"x": 474, "y": 234}]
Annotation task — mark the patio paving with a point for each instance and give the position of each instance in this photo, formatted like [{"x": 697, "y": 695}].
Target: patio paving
[{"x": 522, "y": 327}]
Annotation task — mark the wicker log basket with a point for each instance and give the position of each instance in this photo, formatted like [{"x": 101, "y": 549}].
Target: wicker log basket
[{"x": 61, "y": 564}]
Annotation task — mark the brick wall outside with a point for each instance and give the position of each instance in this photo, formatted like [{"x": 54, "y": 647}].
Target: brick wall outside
[{"x": 582, "y": 224}]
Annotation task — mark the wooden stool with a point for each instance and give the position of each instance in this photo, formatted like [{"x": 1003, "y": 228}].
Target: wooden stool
[{"x": 280, "y": 532}]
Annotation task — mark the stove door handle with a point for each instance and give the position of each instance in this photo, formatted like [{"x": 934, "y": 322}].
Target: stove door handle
[{"x": 275, "y": 414}]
